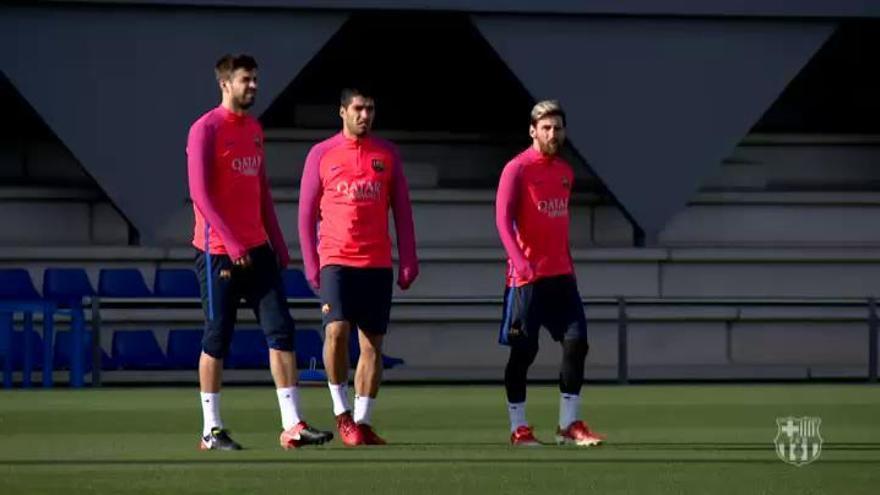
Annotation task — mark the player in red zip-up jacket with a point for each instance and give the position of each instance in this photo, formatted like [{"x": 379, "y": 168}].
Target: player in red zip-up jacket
[
  {"x": 531, "y": 214},
  {"x": 239, "y": 251},
  {"x": 349, "y": 183}
]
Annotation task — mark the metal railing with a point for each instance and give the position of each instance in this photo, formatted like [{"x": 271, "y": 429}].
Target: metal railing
[{"x": 622, "y": 304}]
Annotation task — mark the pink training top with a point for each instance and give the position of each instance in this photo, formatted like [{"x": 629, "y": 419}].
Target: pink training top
[
  {"x": 228, "y": 186},
  {"x": 349, "y": 184},
  {"x": 531, "y": 214}
]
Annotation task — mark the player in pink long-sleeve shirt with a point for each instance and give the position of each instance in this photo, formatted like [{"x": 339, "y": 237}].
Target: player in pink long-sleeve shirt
[
  {"x": 531, "y": 214},
  {"x": 349, "y": 182},
  {"x": 239, "y": 251}
]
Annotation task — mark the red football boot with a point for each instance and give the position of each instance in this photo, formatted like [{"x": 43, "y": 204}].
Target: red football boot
[
  {"x": 303, "y": 434},
  {"x": 524, "y": 436},
  {"x": 578, "y": 433},
  {"x": 348, "y": 430},
  {"x": 369, "y": 435}
]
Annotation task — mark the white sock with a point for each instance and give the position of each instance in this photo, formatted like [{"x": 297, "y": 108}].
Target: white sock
[
  {"x": 288, "y": 402},
  {"x": 569, "y": 405},
  {"x": 210, "y": 412},
  {"x": 363, "y": 409},
  {"x": 517, "y": 413},
  {"x": 339, "y": 394}
]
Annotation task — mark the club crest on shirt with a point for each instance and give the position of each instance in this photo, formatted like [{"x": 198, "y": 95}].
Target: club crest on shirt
[
  {"x": 566, "y": 183},
  {"x": 258, "y": 141},
  {"x": 378, "y": 165}
]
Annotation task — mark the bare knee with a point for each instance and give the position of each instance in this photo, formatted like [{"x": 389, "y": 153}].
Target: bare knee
[
  {"x": 371, "y": 346},
  {"x": 337, "y": 333}
]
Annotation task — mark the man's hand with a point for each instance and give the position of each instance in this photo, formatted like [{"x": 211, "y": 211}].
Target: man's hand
[
  {"x": 524, "y": 270},
  {"x": 407, "y": 275},
  {"x": 282, "y": 257},
  {"x": 243, "y": 262},
  {"x": 313, "y": 277}
]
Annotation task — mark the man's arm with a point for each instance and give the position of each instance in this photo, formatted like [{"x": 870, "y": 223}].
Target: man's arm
[
  {"x": 200, "y": 156},
  {"x": 403, "y": 223},
  {"x": 506, "y": 201},
  {"x": 310, "y": 192}
]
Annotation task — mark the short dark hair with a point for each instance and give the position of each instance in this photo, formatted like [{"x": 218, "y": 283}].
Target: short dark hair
[
  {"x": 349, "y": 94},
  {"x": 229, "y": 63}
]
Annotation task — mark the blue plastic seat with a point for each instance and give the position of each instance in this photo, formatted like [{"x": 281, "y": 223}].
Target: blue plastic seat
[
  {"x": 176, "y": 282},
  {"x": 248, "y": 350},
  {"x": 16, "y": 351},
  {"x": 311, "y": 375},
  {"x": 122, "y": 282},
  {"x": 18, "y": 295},
  {"x": 64, "y": 352},
  {"x": 67, "y": 286},
  {"x": 295, "y": 284},
  {"x": 309, "y": 349},
  {"x": 16, "y": 284},
  {"x": 137, "y": 350},
  {"x": 389, "y": 362},
  {"x": 184, "y": 349}
]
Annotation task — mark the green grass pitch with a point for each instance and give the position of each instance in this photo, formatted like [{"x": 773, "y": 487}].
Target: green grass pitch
[{"x": 712, "y": 439}]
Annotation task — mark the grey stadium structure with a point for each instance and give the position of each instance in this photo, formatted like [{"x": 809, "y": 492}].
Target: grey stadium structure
[{"x": 726, "y": 221}]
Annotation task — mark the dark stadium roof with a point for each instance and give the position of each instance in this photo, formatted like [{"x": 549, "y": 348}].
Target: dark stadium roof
[{"x": 745, "y": 8}]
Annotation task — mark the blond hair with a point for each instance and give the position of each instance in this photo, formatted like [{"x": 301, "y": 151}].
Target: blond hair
[{"x": 547, "y": 108}]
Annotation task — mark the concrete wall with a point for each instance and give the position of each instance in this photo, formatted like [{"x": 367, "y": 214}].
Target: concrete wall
[
  {"x": 771, "y": 192},
  {"x": 42, "y": 216}
]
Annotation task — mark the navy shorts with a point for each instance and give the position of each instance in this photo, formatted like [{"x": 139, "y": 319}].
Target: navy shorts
[
  {"x": 360, "y": 296},
  {"x": 552, "y": 302},
  {"x": 262, "y": 289}
]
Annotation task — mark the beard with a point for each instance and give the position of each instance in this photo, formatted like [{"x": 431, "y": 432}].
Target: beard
[
  {"x": 246, "y": 100},
  {"x": 549, "y": 147},
  {"x": 359, "y": 129}
]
